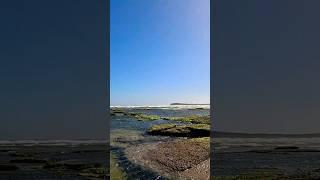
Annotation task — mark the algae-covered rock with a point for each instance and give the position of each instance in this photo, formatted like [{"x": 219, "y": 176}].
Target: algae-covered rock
[
  {"x": 145, "y": 117},
  {"x": 137, "y": 115},
  {"x": 195, "y": 119},
  {"x": 118, "y": 112},
  {"x": 192, "y": 130},
  {"x": 134, "y": 113}
]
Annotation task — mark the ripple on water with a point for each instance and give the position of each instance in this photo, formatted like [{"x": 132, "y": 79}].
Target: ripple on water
[{"x": 132, "y": 170}]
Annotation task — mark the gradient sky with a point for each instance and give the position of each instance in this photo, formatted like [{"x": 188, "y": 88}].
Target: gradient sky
[
  {"x": 266, "y": 66},
  {"x": 160, "y": 52},
  {"x": 53, "y": 69}
]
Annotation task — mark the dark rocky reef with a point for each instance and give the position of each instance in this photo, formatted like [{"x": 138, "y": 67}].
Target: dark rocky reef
[
  {"x": 192, "y": 130},
  {"x": 137, "y": 115},
  {"x": 144, "y": 117},
  {"x": 195, "y": 119},
  {"x": 117, "y": 112}
]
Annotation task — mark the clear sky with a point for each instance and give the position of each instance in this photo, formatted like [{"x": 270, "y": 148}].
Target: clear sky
[{"x": 160, "y": 51}]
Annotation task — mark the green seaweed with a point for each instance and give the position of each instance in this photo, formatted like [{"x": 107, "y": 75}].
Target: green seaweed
[
  {"x": 194, "y": 119},
  {"x": 145, "y": 117}
]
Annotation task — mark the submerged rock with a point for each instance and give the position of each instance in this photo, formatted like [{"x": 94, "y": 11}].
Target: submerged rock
[
  {"x": 115, "y": 171},
  {"x": 192, "y": 130},
  {"x": 123, "y": 138}
]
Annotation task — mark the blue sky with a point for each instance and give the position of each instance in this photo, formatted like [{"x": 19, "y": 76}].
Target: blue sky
[{"x": 160, "y": 52}]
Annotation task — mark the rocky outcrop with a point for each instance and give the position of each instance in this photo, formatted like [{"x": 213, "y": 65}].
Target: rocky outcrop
[
  {"x": 192, "y": 130},
  {"x": 195, "y": 119}
]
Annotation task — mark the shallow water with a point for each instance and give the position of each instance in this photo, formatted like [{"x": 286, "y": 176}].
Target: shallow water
[
  {"x": 172, "y": 112},
  {"x": 129, "y": 123},
  {"x": 124, "y": 122}
]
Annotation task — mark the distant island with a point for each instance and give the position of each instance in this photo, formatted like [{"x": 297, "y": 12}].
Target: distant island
[{"x": 187, "y": 104}]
